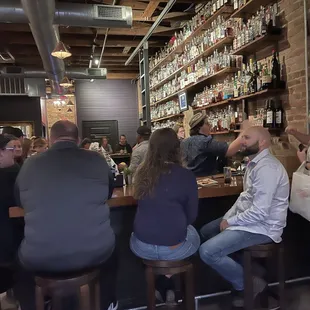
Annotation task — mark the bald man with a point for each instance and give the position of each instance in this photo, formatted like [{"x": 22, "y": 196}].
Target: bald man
[
  {"x": 257, "y": 217},
  {"x": 64, "y": 193}
]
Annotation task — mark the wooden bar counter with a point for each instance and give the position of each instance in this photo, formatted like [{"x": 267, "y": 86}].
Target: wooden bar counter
[{"x": 123, "y": 196}]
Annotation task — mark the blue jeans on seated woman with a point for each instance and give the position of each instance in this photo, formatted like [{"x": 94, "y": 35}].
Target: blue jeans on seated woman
[{"x": 158, "y": 252}]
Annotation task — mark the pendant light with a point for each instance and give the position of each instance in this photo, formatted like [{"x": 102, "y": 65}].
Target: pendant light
[{"x": 61, "y": 51}]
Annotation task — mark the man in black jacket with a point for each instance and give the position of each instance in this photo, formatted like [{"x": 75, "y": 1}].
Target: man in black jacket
[{"x": 67, "y": 221}]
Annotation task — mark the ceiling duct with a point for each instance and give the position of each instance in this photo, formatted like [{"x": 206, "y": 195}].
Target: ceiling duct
[
  {"x": 40, "y": 15},
  {"x": 72, "y": 73},
  {"x": 69, "y": 14}
]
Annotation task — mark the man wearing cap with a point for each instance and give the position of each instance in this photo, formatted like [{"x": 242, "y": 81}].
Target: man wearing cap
[
  {"x": 14, "y": 131},
  {"x": 8, "y": 243},
  {"x": 200, "y": 151},
  {"x": 139, "y": 151}
]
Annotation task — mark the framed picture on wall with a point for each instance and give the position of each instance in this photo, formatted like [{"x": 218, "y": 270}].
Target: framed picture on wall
[
  {"x": 26, "y": 127},
  {"x": 183, "y": 102}
]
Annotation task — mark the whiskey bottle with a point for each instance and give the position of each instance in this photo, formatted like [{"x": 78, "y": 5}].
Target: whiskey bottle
[{"x": 275, "y": 72}]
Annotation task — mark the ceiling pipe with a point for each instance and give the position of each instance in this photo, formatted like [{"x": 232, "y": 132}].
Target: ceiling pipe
[
  {"x": 151, "y": 30},
  {"x": 69, "y": 14},
  {"x": 40, "y": 14}
]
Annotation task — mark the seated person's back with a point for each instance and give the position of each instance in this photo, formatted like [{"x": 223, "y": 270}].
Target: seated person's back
[
  {"x": 167, "y": 196},
  {"x": 64, "y": 193}
]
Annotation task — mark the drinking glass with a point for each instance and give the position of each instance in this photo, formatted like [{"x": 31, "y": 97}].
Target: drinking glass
[{"x": 227, "y": 175}]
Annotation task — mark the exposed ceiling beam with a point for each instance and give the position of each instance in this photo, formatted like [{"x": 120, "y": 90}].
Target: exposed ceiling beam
[
  {"x": 121, "y": 76},
  {"x": 76, "y": 51},
  {"x": 27, "y": 39},
  {"x": 150, "y": 9},
  {"x": 139, "y": 30}
]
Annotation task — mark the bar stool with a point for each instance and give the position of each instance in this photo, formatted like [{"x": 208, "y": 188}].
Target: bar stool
[
  {"x": 57, "y": 287},
  {"x": 160, "y": 267},
  {"x": 265, "y": 251}
]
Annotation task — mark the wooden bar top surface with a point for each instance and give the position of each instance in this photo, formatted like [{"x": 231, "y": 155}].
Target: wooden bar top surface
[{"x": 123, "y": 196}]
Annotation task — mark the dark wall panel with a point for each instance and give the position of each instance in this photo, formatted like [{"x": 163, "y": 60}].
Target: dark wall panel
[
  {"x": 108, "y": 100},
  {"x": 21, "y": 108}
]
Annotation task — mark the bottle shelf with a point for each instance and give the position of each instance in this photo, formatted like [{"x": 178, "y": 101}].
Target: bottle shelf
[
  {"x": 192, "y": 86},
  {"x": 256, "y": 45},
  {"x": 265, "y": 92},
  {"x": 227, "y": 9},
  {"x": 167, "y": 117},
  {"x": 226, "y": 132},
  {"x": 219, "y": 45},
  {"x": 250, "y": 8}
]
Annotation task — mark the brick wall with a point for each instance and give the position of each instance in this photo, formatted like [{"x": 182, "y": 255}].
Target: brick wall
[{"x": 55, "y": 113}]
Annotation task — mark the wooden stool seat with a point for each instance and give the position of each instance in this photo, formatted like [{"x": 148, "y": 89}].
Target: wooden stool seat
[
  {"x": 59, "y": 286},
  {"x": 160, "y": 267},
  {"x": 264, "y": 251}
]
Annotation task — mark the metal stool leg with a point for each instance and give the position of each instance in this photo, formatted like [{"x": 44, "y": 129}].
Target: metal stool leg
[
  {"x": 39, "y": 298},
  {"x": 281, "y": 276},
  {"x": 189, "y": 289},
  {"x": 248, "y": 282},
  {"x": 85, "y": 297},
  {"x": 150, "y": 278}
]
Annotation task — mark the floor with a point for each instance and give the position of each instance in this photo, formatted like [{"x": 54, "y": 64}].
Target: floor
[{"x": 298, "y": 298}]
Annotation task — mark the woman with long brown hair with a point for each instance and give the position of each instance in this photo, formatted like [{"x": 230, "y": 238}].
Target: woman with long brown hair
[{"x": 167, "y": 196}]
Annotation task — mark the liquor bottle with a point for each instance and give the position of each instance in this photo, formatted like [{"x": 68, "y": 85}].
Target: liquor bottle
[
  {"x": 266, "y": 76},
  {"x": 279, "y": 115},
  {"x": 275, "y": 71},
  {"x": 270, "y": 114},
  {"x": 253, "y": 80}
]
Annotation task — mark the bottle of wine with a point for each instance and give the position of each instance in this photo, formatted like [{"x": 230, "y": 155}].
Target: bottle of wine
[
  {"x": 275, "y": 71},
  {"x": 270, "y": 114},
  {"x": 279, "y": 115},
  {"x": 266, "y": 76}
]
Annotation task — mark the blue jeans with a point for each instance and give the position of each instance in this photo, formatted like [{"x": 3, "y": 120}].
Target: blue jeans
[
  {"x": 214, "y": 252},
  {"x": 159, "y": 252}
]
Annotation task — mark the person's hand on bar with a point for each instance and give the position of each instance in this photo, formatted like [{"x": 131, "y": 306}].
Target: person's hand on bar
[{"x": 224, "y": 224}]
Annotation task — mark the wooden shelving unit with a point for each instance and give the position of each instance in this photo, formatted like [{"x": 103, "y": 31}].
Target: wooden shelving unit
[
  {"x": 226, "y": 10},
  {"x": 198, "y": 83},
  {"x": 260, "y": 94},
  {"x": 256, "y": 45},
  {"x": 220, "y": 44},
  {"x": 251, "y": 48},
  {"x": 167, "y": 117},
  {"x": 250, "y": 8}
]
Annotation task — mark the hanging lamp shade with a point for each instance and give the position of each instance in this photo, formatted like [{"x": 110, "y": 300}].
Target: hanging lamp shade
[
  {"x": 70, "y": 104},
  {"x": 65, "y": 83},
  {"x": 61, "y": 51}
]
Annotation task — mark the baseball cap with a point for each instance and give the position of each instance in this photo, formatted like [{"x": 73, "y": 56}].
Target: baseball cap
[
  {"x": 144, "y": 131},
  {"x": 4, "y": 140},
  {"x": 196, "y": 119},
  {"x": 12, "y": 131}
]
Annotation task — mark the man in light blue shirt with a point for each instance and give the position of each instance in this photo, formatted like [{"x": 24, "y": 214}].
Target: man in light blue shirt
[{"x": 257, "y": 217}]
